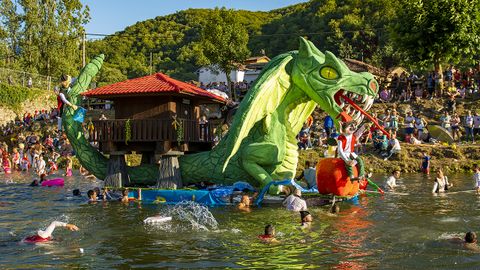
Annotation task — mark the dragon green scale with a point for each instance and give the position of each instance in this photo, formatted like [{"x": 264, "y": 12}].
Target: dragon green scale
[{"x": 260, "y": 145}]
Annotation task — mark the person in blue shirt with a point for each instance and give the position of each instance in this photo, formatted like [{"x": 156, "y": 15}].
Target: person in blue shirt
[
  {"x": 426, "y": 163},
  {"x": 328, "y": 125}
]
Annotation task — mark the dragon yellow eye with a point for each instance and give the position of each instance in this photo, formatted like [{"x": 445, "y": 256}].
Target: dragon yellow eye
[{"x": 328, "y": 73}]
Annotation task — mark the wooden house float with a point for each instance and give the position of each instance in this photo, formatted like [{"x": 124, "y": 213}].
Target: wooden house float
[{"x": 155, "y": 116}]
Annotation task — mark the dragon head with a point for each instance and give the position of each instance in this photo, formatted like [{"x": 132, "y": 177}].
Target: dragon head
[{"x": 343, "y": 94}]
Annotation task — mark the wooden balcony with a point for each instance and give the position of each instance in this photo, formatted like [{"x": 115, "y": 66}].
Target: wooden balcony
[{"x": 150, "y": 130}]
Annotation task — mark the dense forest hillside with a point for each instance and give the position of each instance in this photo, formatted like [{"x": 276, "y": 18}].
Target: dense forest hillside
[
  {"x": 349, "y": 28},
  {"x": 169, "y": 40}
]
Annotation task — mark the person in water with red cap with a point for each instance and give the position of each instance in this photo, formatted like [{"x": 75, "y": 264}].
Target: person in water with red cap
[
  {"x": 269, "y": 236},
  {"x": 46, "y": 235}
]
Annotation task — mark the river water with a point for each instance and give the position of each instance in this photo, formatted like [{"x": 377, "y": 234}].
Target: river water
[{"x": 397, "y": 231}]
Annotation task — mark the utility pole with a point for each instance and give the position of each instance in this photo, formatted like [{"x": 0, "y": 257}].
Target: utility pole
[
  {"x": 83, "y": 49},
  {"x": 151, "y": 60}
]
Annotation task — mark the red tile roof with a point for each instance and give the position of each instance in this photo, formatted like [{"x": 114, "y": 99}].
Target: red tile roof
[{"x": 150, "y": 85}]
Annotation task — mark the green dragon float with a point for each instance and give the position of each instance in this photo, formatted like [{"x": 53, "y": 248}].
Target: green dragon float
[{"x": 261, "y": 144}]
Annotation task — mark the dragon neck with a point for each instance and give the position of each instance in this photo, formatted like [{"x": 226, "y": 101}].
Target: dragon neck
[{"x": 296, "y": 107}]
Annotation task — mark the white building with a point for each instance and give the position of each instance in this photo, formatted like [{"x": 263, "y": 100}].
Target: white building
[{"x": 247, "y": 72}]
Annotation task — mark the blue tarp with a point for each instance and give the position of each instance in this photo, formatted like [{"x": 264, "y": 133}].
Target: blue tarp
[{"x": 175, "y": 196}]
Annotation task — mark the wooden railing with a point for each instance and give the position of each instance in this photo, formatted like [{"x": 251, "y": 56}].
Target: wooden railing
[{"x": 151, "y": 130}]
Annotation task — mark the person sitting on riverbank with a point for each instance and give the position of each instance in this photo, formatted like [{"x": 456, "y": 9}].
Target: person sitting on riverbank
[
  {"x": 476, "y": 177},
  {"x": 294, "y": 202},
  {"x": 305, "y": 219},
  {"x": 391, "y": 182},
  {"x": 244, "y": 204},
  {"x": 309, "y": 175},
  {"x": 395, "y": 148},
  {"x": 440, "y": 183},
  {"x": 269, "y": 235},
  {"x": 46, "y": 235}
]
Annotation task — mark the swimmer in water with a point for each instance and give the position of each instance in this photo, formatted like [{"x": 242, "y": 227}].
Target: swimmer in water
[
  {"x": 36, "y": 182},
  {"x": 335, "y": 209},
  {"x": 244, "y": 204},
  {"x": 471, "y": 241},
  {"x": 124, "y": 198},
  {"x": 46, "y": 235},
  {"x": 306, "y": 219},
  {"x": 269, "y": 236},
  {"x": 92, "y": 196}
]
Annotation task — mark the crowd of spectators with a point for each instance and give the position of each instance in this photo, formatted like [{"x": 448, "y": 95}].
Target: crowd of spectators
[
  {"x": 452, "y": 82},
  {"x": 29, "y": 145}
]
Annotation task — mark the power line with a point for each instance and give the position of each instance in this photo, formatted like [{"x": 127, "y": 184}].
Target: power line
[{"x": 254, "y": 35}]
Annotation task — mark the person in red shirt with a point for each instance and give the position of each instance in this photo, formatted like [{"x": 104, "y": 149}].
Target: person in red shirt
[{"x": 346, "y": 149}]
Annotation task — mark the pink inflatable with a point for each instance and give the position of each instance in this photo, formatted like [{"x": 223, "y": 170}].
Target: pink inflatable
[{"x": 57, "y": 182}]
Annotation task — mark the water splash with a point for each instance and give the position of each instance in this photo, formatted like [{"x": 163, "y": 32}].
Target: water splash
[
  {"x": 197, "y": 216},
  {"x": 187, "y": 215}
]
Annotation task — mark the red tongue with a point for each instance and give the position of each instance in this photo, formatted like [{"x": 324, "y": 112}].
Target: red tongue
[{"x": 356, "y": 107}]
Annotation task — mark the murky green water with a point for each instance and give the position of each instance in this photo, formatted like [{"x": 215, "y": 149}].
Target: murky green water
[{"x": 390, "y": 232}]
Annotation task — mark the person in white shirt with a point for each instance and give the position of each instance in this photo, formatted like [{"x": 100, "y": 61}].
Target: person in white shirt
[
  {"x": 346, "y": 149},
  {"x": 409, "y": 121},
  {"x": 476, "y": 178},
  {"x": 476, "y": 124},
  {"x": 391, "y": 182},
  {"x": 294, "y": 202},
  {"x": 395, "y": 147},
  {"x": 46, "y": 235},
  {"x": 41, "y": 165},
  {"x": 441, "y": 183}
]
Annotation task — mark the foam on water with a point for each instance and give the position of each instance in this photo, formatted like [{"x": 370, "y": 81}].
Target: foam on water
[{"x": 188, "y": 215}]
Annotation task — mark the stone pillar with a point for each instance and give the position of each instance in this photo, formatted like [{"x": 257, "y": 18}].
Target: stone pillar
[
  {"x": 117, "y": 175},
  {"x": 169, "y": 176}
]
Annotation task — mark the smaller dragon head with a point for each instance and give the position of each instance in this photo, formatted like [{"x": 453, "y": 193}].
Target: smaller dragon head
[{"x": 343, "y": 94}]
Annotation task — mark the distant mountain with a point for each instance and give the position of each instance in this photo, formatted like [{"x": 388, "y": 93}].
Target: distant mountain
[{"x": 349, "y": 28}]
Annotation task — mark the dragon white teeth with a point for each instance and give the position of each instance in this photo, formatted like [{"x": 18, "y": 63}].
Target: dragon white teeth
[
  {"x": 364, "y": 98},
  {"x": 354, "y": 96}
]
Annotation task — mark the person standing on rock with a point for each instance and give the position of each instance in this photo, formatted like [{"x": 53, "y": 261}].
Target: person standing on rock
[{"x": 62, "y": 97}]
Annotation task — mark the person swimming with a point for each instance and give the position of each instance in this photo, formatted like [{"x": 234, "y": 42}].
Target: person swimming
[
  {"x": 471, "y": 241},
  {"x": 92, "y": 195},
  {"x": 305, "y": 219},
  {"x": 37, "y": 182},
  {"x": 269, "y": 235},
  {"x": 46, "y": 235},
  {"x": 335, "y": 209},
  {"x": 244, "y": 204}
]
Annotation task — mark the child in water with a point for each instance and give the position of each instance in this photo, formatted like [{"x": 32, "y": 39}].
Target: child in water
[
  {"x": 306, "y": 219},
  {"x": 269, "y": 236},
  {"x": 244, "y": 204},
  {"x": 46, "y": 235}
]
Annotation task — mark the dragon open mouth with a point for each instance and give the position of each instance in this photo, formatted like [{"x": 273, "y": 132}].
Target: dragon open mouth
[{"x": 352, "y": 110}]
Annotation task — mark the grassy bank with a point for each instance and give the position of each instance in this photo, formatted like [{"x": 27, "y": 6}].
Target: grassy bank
[
  {"x": 455, "y": 158},
  {"x": 16, "y": 100}
]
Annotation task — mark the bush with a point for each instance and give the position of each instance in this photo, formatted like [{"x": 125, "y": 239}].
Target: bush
[{"x": 13, "y": 96}]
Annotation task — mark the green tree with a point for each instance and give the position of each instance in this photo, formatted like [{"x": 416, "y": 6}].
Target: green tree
[
  {"x": 10, "y": 22},
  {"x": 51, "y": 35},
  {"x": 436, "y": 32},
  {"x": 223, "y": 42}
]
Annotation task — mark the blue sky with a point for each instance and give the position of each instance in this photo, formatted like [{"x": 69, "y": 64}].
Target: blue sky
[{"x": 109, "y": 16}]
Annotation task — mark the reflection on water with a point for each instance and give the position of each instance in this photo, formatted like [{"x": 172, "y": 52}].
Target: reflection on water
[{"x": 396, "y": 231}]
